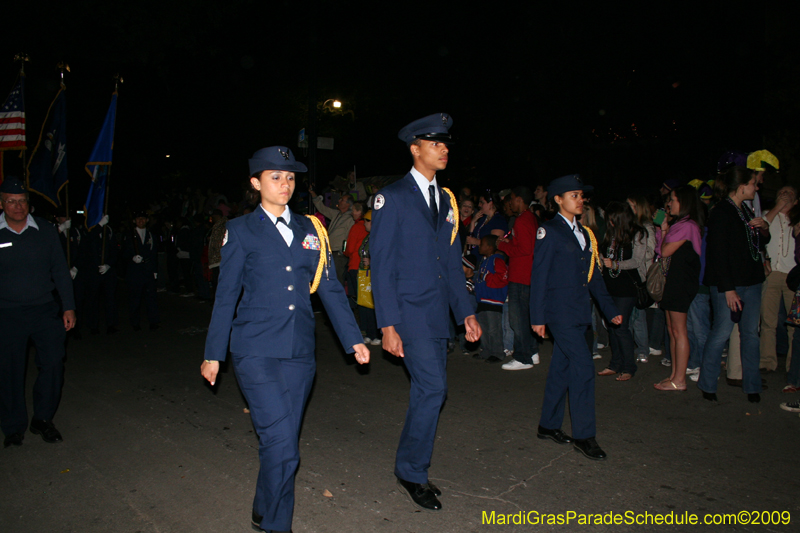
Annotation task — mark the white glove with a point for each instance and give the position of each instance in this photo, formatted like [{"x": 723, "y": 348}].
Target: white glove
[
  {"x": 103, "y": 221},
  {"x": 73, "y": 272},
  {"x": 155, "y": 275},
  {"x": 64, "y": 226},
  {"x": 103, "y": 268},
  {"x": 137, "y": 259}
]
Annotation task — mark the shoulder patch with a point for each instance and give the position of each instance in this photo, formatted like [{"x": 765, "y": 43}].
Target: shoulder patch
[
  {"x": 540, "y": 233},
  {"x": 225, "y": 238},
  {"x": 378, "y": 202}
]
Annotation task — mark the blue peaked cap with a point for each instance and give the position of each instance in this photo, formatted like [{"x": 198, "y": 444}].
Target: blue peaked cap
[
  {"x": 434, "y": 127},
  {"x": 13, "y": 185},
  {"x": 571, "y": 182},
  {"x": 275, "y": 158}
]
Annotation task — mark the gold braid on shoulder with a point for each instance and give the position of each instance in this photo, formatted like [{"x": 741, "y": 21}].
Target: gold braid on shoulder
[
  {"x": 454, "y": 205},
  {"x": 595, "y": 255},
  {"x": 324, "y": 252}
]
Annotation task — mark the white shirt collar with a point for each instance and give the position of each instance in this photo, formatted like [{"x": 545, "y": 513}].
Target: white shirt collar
[
  {"x": 424, "y": 184},
  {"x": 571, "y": 224},
  {"x": 30, "y": 222},
  {"x": 287, "y": 215}
]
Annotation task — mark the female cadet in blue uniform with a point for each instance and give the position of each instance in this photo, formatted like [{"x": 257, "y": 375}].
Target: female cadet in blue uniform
[
  {"x": 563, "y": 282},
  {"x": 279, "y": 258}
]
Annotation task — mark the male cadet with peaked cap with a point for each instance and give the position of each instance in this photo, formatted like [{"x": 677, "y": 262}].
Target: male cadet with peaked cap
[
  {"x": 564, "y": 278},
  {"x": 32, "y": 265},
  {"x": 417, "y": 279}
]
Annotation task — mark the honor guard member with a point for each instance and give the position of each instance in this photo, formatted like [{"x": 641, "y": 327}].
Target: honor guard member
[
  {"x": 415, "y": 222},
  {"x": 563, "y": 282},
  {"x": 32, "y": 265},
  {"x": 98, "y": 266},
  {"x": 141, "y": 255},
  {"x": 279, "y": 258}
]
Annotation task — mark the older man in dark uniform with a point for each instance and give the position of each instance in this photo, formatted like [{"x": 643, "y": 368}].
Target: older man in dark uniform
[
  {"x": 33, "y": 265},
  {"x": 417, "y": 279}
]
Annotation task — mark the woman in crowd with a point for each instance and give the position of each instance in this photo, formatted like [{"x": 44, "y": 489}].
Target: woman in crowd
[
  {"x": 354, "y": 239},
  {"x": 624, "y": 248},
  {"x": 366, "y": 315},
  {"x": 643, "y": 218},
  {"x": 487, "y": 221},
  {"x": 592, "y": 220},
  {"x": 466, "y": 210},
  {"x": 734, "y": 273},
  {"x": 678, "y": 245}
]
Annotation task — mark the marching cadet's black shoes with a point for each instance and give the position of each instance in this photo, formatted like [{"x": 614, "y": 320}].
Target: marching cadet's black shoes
[
  {"x": 46, "y": 429},
  {"x": 15, "y": 439},
  {"x": 556, "y": 435},
  {"x": 256, "y": 525},
  {"x": 590, "y": 449},
  {"x": 423, "y": 495},
  {"x": 434, "y": 489}
]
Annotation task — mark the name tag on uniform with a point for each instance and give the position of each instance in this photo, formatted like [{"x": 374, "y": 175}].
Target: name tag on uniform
[
  {"x": 6, "y": 244},
  {"x": 311, "y": 242}
]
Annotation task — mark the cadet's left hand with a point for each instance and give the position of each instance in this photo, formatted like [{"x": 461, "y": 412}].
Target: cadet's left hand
[
  {"x": 362, "y": 353},
  {"x": 617, "y": 320},
  {"x": 210, "y": 369},
  {"x": 473, "y": 328},
  {"x": 69, "y": 320}
]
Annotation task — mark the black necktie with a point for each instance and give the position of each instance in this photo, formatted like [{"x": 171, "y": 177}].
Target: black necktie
[
  {"x": 280, "y": 219},
  {"x": 434, "y": 208}
]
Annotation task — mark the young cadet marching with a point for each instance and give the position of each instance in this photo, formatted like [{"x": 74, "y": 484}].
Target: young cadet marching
[
  {"x": 279, "y": 258},
  {"x": 416, "y": 280},
  {"x": 563, "y": 281}
]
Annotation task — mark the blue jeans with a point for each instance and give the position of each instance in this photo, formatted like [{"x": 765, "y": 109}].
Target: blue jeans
[
  {"x": 698, "y": 324},
  {"x": 491, "y": 322},
  {"x": 519, "y": 316},
  {"x": 639, "y": 329},
  {"x": 621, "y": 338},
  {"x": 508, "y": 333},
  {"x": 748, "y": 339}
]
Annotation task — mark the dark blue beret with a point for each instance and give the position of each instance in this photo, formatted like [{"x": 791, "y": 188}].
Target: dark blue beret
[
  {"x": 275, "y": 158},
  {"x": 431, "y": 128},
  {"x": 12, "y": 185},
  {"x": 572, "y": 182}
]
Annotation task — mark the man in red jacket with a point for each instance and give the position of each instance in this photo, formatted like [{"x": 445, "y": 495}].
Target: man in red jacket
[{"x": 519, "y": 249}]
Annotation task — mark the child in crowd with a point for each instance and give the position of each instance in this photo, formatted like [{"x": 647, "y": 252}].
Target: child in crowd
[{"x": 491, "y": 289}]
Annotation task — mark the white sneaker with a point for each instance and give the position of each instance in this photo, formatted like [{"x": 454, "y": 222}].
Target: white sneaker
[
  {"x": 596, "y": 355},
  {"x": 375, "y": 342},
  {"x": 695, "y": 377},
  {"x": 693, "y": 371},
  {"x": 653, "y": 351},
  {"x": 535, "y": 358},
  {"x": 367, "y": 340},
  {"x": 641, "y": 359},
  {"x": 666, "y": 362},
  {"x": 516, "y": 365},
  {"x": 600, "y": 346}
]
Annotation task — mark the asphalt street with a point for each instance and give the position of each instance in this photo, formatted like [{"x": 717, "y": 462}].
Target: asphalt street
[{"x": 150, "y": 447}]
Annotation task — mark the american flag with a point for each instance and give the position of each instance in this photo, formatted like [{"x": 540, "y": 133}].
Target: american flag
[{"x": 12, "y": 119}]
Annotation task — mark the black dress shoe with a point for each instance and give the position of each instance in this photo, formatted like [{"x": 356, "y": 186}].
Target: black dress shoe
[
  {"x": 154, "y": 327},
  {"x": 15, "y": 439},
  {"x": 738, "y": 383},
  {"x": 46, "y": 429},
  {"x": 754, "y": 398},
  {"x": 110, "y": 330},
  {"x": 710, "y": 396},
  {"x": 556, "y": 435},
  {"x": 590, "y": 449},
  {"x": 421, "y": 494},
  {"x": 434, "y": 488},
  {"x": 493, "y": 359}
]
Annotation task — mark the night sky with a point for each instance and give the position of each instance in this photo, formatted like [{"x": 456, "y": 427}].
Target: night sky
[{"x": 625, "y": 97}]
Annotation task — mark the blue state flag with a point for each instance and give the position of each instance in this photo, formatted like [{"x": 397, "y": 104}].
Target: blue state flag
[
  {"x": 99, "y": 166},
  {"x": 47, "y": 168}
]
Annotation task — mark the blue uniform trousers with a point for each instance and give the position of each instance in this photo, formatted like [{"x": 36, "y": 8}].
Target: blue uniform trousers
[
  {"x": 426, "y": 361},
  {"x": 276, "y": 391},
  {"x": 139, "y": 285},
  {"x": 44, "y": 326},
  {"x": 571, "y": 372}
]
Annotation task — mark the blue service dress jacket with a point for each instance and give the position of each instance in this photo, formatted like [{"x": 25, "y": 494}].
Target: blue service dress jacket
[
  {"x": 560, "y": 292},
  {"x": 274, "y": 317},
  {"x": 416, "y": 272}
]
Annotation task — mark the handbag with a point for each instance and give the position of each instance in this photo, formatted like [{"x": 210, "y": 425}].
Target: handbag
[
  {"x": 793, "y": 278},
  {"x": 643, "y": 299},
  {"x": 793, "y": 319},
  {"x": 657, "y": 278},
  {"x": 365, "y": 289}
]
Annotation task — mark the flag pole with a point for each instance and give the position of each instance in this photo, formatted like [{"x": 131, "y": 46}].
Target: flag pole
[
  {"x": 62, "y": 66},
  {"x": 23, "y": 58},
  {"x": 117, "y": 80}
]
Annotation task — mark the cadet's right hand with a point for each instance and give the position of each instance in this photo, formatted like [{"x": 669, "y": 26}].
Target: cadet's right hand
[
  {"x": 73, "y": 272},
  {"x": 137, "y": 259},
  {"x": 392, "y": 342},
  {"x": 210, "y": 369},
  {"x": 539, "y": 330},
  {"x": 103, "y": 221},
  {"x": 103, "y": 269}
]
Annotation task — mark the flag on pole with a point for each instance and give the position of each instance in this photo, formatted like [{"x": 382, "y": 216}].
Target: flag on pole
[
  {"x": 12, "y": 121},
  {"x": 47, "y": 168},
  {"x": 99, "y": 166}
]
